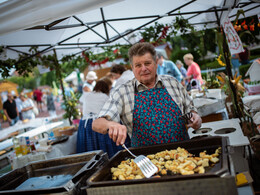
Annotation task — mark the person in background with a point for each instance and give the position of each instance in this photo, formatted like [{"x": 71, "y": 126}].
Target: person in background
[
  {"x": 148, "y": 107},
  {"x": 18, "y": 102},
  {"x": 244, "y": 56},
  {"x": 87, "y": 139},
  {"x": 121, "y": 74},
  {"x": 111, "y": 76},
  {"x": 69, "y": 89},
  {"x": 167, "y": 67},
  {"x": 183, "y": 71},
  {"x": 10, "y": 110},
  {"x": 39, "y": 95},
  {"x": 50, "y": 104},
  {"x": 235, "y": 63},
  {"x": 193, "y": 71},
  {"x": 27, "y": 107},
  {"x": 89, "y": 84}
]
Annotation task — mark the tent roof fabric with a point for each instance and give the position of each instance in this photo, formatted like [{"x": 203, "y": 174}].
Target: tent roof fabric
[
  {"x": 73, "y": 26},
  {"x": 7, "y": 85}
]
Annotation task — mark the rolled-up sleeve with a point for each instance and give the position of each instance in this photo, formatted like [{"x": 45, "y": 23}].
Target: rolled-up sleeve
[
  {"x": 187, "y": 102},
  {"x": 112, "y": 108}
]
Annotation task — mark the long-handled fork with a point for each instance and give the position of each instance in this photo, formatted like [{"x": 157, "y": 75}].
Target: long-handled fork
[{"x": 144, "y": 163}]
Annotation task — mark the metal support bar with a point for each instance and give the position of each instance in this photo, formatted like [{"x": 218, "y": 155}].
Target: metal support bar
[
  {"x": 247, "y": 10},
  {"x": 89, "y": 28},
  {"x": 89, "y": 43},
  {"x": 192, "y": 1},
  {"x": 40, "y": 45},
  {"x": 197, "y": 12},
  {"x": 104, "y": 22},
  {"x": 159, "y": 17},
  {"x": 50, "y": 47},
  {"x": 17, "y": 51},
  {"x": 118, "y": 33}
]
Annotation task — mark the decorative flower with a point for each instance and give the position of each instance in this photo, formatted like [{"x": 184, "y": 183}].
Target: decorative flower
[
  {"x": 252, "y": 27},
  {"x": 245, "y": 27},
  {"x": 221, "y": 63}
]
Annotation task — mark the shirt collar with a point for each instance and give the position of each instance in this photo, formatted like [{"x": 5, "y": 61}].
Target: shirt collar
[{"x": 141, "y": 87}]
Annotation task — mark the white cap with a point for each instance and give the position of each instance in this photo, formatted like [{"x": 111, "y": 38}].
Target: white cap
[{"x": 91, "y": 75}]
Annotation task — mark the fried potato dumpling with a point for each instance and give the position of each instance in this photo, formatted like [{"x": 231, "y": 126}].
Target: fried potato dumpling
[{"x": 178, "y": 161}]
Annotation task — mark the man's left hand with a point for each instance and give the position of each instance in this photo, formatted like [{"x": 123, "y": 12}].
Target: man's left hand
[{"x": 196, "y": 121}]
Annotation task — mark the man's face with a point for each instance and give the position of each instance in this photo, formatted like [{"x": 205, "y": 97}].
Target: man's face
[
  {"x": 144, "y": 68},
  {"x": 116, "y": 75},
  {"x": 22, "y": 98},
  {"x": 9, "y": 96}
]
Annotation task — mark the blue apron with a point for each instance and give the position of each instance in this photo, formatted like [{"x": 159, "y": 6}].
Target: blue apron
[{"x": 156, "y": 119}]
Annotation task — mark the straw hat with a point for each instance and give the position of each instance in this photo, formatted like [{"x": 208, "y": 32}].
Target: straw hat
[{"x": 91, "y": 75}]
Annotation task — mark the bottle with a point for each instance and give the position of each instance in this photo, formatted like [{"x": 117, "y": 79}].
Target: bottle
[
  {"x": 27, "y": 140},
  {"x": 32, "y": 146},
  {"x": 17, "y": 147},
  {"x": 23, "y": 145}
]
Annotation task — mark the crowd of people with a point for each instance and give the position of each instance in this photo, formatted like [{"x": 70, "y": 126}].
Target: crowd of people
[
  {"x": 136, "y": 107},
  {"x": 24, "y": 108},
  {"x": 190, "y": 78}
]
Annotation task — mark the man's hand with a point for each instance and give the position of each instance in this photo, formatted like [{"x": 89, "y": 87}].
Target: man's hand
[
  {"x": 117, "y": 132},
  {"x": 196, "y": 121}
]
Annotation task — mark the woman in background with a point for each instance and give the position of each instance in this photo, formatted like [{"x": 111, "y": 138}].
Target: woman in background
[
  {"x": 193, "y": 72},
  {"x": 87, "y": 139},
  {"x": 50, "y": 104},
  {"x": 27, "y": 107}
]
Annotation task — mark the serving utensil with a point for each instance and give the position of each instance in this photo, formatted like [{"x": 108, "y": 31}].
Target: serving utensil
[{"x": 144, "y": 163}]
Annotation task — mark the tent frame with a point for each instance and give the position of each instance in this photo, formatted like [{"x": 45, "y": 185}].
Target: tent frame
[{"x": 106, "y": 22}]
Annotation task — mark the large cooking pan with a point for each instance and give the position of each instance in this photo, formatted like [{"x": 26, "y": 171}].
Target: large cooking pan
[
  {"x": 103, "y": 177},
  {"x": 52, "y": 176}
]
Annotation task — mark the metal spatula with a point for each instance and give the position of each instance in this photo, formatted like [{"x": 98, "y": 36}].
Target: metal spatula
[{"x": 144, "y": 163}]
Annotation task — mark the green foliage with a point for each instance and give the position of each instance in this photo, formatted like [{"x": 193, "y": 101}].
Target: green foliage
[
  {"x": 212, "y": 82},
  {"x": 151, "y": 34},
  {"x": 243, "y": 69},
  {"x": 254, "y": 82},
  {"x": 70, "y": 104},
  {"x": 23, "y": 82},
  {"x": 160, "y": 33},
  {"x": 48, "y": 78},
  {"x": 196, "y": 43}
]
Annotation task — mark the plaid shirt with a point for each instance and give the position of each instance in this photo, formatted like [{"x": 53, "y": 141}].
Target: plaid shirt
[{"x": 120, "y": 104}]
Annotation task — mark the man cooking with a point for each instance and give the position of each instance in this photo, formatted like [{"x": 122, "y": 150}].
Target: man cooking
[{"x": 149, "y": 106}]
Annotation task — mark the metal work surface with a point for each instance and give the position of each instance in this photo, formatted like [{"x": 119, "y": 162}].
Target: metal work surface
[
  {"x": 212, "y": 186},
  {"x": 49, "y": 176},
  {"x": 103, "y": 177}
]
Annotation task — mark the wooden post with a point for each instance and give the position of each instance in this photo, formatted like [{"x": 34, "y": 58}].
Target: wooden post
[
  {"x": 58, "y": 74},
  {"x": 226, "y": 55}
]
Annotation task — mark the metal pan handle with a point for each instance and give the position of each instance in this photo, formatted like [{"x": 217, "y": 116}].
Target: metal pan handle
[{"x": 90, "y": 165}]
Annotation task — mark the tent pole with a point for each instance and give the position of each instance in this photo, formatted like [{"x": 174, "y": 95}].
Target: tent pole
[
  {"x": 58, "y": 74},
  {"x": 226, "y": 55},
  {"x": 104, "y": 22}
]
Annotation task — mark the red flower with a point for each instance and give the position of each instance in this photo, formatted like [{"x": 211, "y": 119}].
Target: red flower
[
  {"x": 252, "y": 27},
  {"x": 245, "y": 27},
  {"x": 243, "y": 23},
  {"x": 115, "y": 51}
]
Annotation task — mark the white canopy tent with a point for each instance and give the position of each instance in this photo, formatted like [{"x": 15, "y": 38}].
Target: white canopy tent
[{"x": 71, "y": 26}]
